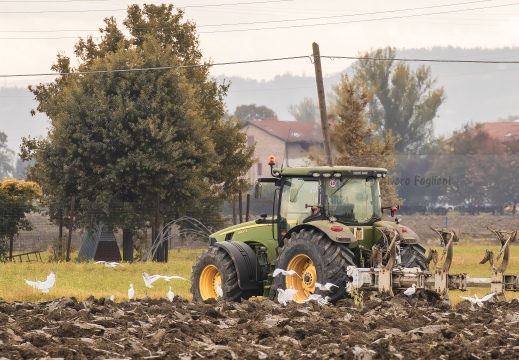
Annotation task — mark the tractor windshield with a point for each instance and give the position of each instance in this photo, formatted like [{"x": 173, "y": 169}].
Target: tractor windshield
[{"x": 353, "y": 200}]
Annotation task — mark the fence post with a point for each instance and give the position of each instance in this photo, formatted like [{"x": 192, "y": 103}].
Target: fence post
[
  {"x": 240, "y": 207},
  {"x": 234, "y": 210},
  {"x": 247, "y": 208},
  {"x": 70, "y": 226}
]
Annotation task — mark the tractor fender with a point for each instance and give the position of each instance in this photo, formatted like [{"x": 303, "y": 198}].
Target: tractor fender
[
  {"x": 345, "y": 236},
  {"x": 246, "y": 263}
]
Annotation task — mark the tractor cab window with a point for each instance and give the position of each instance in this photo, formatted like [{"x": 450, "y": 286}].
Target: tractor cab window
[
  {"x": 354, "y": 200},
  {"x": 297, "y": 198}
]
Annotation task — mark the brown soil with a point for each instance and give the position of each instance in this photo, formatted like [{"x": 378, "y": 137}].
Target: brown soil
[{"x": 397, "y": 328}]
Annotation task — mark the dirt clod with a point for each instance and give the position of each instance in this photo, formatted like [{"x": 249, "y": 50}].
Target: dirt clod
[{"x": 389, "y": 329}]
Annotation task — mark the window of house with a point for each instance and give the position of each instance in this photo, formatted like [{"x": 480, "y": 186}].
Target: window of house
[{"x": 260, "y": 169}]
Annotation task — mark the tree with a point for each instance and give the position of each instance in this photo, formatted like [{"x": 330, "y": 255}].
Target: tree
[
  {"x": 17, "y": 198},
  {"x": 406, "y": 101},
  {"x": 354, "y": 139},
  {"x": 6, "y": 158},
  {"x": 306, "y": 110},
  {"x": 254, "y": 112},
  {"x": 480, "y": 169},
  {"x": 130, "y": 142}
]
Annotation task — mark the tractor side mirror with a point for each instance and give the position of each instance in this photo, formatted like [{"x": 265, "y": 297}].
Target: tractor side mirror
[{"x": 257, "y": 190}]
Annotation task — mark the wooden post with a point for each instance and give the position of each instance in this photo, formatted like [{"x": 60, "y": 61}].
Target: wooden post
[
  {"x": 247, "y": 208},
  {"x": 127, "y": 245},
  {"x": 322, "y": 103},
  {"x": 60, "y": 240},
  {"x": 240, "y": 207},
  {"x": 234, "y": 210},
  {"x": 70, "y": 226}
]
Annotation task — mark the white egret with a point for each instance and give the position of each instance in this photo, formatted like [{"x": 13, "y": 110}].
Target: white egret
[
  {"x": 285, "y": 296},
  {"x": 479, "y": 302},
  {"x": 411, "y": 290},
  {"x": 326, "y": 287},
  {"x": 44, "y": 286},
  {"x": 219, "y": 290},
  {"x": 131, "y": 292},
  {"x": 148, "y": 280},
  {"x": 112, "y": 298},
  {"x": 110, "y": 264},
  {"x": 167, "y": 278},
  {"x": 170, "y": 294},
  {"x": 285, "y": 272}
]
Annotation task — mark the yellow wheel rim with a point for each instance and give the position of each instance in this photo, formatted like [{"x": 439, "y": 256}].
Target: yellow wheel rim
[
  {"x": 305, "y": 285},
  {"x": 209, "y": 277}
]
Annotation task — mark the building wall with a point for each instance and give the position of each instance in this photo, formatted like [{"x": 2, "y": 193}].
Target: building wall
[{"x": 266, "y": 145}]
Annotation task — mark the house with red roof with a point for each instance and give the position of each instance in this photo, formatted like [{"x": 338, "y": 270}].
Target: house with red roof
[{"x": 288, "y": 141}]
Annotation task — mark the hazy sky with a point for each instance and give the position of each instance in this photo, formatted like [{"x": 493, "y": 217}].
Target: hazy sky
[{"x": 32, "y": 32}]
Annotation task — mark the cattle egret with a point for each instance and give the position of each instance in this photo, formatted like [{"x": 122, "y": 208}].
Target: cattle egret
[
  {"x": 285, "y": 296},
  {"x": 479, "y": 302},
  {"x": 285, "y": 272},
  {"x": 170, "y": 294},
  {"x": 131, "y": 292},
  {"x": 110, "y": 264},
  {"x": 219, "y": 290},
  {"x": 148, "y": 280},
  {"x": 410, "y": 291},
  {"x": 44, "y": 286},
  {"x": 167, "y": 278},
  {"x": 313, "y": 297},
  {"x": 326, "y": 287},
  {"x": 112, "y": 298}
]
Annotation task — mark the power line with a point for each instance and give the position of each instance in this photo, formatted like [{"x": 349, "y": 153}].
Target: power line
[
  {"x": 358, "y": 21},
  {"x": 266, "y": 60},
  {"x": 97, "y": 10}
]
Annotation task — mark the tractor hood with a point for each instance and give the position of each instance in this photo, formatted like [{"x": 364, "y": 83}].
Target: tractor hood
[{"x": 231, "y": 232}]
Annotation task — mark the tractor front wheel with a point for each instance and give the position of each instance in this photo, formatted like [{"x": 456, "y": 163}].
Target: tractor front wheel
[
  {"x": 314, "y": 258},
  {"x": 214, "y": 272}
]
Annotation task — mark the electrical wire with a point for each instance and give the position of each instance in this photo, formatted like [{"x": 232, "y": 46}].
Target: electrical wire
[{"x": 266, "y": 60}]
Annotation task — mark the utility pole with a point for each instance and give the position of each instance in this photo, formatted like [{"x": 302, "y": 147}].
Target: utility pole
[{"x": 322, "y": 103}]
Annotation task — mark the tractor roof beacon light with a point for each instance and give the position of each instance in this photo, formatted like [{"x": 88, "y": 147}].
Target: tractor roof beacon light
[{"x": 272, "y": 163}]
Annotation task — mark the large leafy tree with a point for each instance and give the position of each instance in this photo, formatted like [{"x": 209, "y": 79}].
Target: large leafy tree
[
  {"x": 17, "y": 198},
  {"x": 254, "y": 112},
  {"x": 6, "y": 158},
  {"x": 406, "y": 100},
  {"x": 479, "y": 167},
  {"x": 354, "y": 138},
  {"x": 306, "y": 110},
  {"x": 138, "y": 125}
]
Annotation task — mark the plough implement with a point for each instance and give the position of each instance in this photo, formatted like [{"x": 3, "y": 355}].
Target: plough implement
[{"x": 390, "y": 277}]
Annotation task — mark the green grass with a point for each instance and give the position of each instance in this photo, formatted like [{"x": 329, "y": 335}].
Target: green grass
[{"x": 82, "y": 280}]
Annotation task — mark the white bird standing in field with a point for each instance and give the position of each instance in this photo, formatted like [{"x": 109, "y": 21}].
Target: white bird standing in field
[
  {"x": 479, "y": 302},
  {"x": 110, "y": 264},
  {"x": 131, "y": 292},
  {"x": 148, "y": 280},
  {"x": 170, "y": 294},
  {"x": 219, "y": 290},
  {"x": 326, "y": 287},
  {"x": 411, "y": 290},
  {"x": 44, "y": 286},
  {"x": 112, "y": 298},
  {"x": 285, "y": 272}
]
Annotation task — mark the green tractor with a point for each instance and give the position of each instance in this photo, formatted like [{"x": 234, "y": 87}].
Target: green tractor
[{"x": 324, "y": 220}]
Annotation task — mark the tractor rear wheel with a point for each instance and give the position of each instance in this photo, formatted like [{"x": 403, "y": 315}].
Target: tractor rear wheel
[
  {"x": 215, "y": 270},
  {"x": 413, "y": 255},
  {"x": 315, "y": 258}
]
